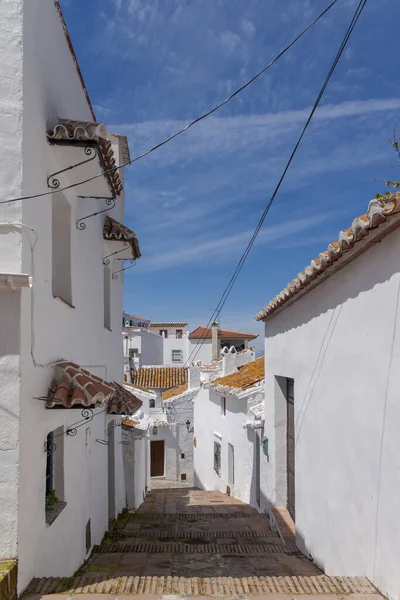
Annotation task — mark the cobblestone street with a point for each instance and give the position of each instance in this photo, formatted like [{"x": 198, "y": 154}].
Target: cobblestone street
[{"x": 188, "y": 542}]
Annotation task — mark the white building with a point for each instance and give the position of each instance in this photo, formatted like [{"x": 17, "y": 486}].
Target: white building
[
  {"x": 58, "y": 490},
  {"x": 229, "y": 454},
  {"x": 172, "y": 414},
  {"x": 206, "y": 343},
  {"x": 332, "y": 410},
  {"x": 175, "y": 342},
  {"x": 141, "y": 345}
]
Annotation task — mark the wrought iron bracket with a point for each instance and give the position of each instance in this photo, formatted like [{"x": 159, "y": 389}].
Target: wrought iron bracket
[
  {"x": 115, "y": 274},
  {"x": 106, "y": 259},
  {"x": 54, "y": 183},
  {"x": 81, "y": 225},
  {"x": 87, "y": 416}
]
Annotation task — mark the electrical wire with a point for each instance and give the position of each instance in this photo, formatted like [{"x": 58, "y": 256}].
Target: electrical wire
[
  {"x": 188, "y": 126},
  {"x": 245, "y": 254}
]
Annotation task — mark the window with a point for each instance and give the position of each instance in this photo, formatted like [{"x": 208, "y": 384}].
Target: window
[
  {"x": 61, "y": 251},
  {"x": 54, "y": 484},
  {"x": 152, "y": 403},
  {"x": 217, "y": 458},
  {"x": 231, "y": 464},
  {"x": 131, "y": 323},
  {"x": 164, "y": 333},
  {"x": 223, "y": 406},
  {"x": 107, "y": 297},
  {"x": 179, "y": 334},
  {"x": 133, "y": 352},
  {"x": 177, "y": 355}
]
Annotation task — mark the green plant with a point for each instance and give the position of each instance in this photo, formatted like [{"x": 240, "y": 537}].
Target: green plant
[
  {"x": 51, "y": 499},
  {"x": 395, "y": 185}
]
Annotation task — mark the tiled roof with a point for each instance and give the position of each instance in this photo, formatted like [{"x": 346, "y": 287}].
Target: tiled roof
[
  {"x": 159, "y": 377},
  {"x": 74, "y": 386},
  {"x": 113, "y": 230},
  {"x": 138, "y": 387},
  {"x": 382, "y": 217},
  {"x": 123, "y": 402},
  {"x": 168, "y": 324},
  {"x": 205, "y": 333},
  {"x": 174, "y": 392},
  {"x": 248, "y": 375},
  {"x": 89, "y": 132}
]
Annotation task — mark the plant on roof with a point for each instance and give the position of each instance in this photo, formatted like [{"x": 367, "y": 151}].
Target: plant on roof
[{"x": 395, "y": 185}]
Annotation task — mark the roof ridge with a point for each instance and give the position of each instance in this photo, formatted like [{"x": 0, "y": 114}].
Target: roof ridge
[{"x": 379, "y": 211}]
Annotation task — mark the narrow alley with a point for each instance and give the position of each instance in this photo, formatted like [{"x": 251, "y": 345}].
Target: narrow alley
[{"x": 188, "y": 542}]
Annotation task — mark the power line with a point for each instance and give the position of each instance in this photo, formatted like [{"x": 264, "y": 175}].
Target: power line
[
  {"x": 245, "y": 254},
  {"x": 180, "y": 131}
]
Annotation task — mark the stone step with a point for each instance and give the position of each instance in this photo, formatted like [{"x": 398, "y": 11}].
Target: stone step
[
  {"x": 179, "y": 516},
  {"x": 176, "y": 547},
  {"x": 199, "y": 533},
  {"x": 320, "y": 584}
]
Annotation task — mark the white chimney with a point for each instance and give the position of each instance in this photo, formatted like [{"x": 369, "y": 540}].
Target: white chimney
[
  {"x": 214, "y": 340},
  {"x": 229, "y": 361},
  {"x": 194, "y": 376}
]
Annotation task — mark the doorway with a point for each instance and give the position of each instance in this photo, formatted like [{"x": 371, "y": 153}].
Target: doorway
[
  {"x": 157, "y": 455},
  {"x": 290, "y": 447}
]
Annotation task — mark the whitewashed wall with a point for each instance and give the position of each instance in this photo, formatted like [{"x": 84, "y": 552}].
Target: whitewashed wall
[
  {"x": 39, "y": 88},
  {"x": 341, "y": 344},
  {"x": 173, "y": 343},
  {"x": 178, "y": 440},
  {"x": 136, "y": 467},
  {"x": 150, "y": 347},
  {"x": 202, "y": 353},
  {"x": 211, "y": 425}
]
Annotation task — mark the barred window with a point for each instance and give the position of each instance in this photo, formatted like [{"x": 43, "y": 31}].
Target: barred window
[{"x": 217, "y": 458}]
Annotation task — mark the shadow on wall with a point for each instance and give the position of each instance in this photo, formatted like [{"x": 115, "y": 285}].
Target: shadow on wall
[{"x": 349, "y": 282}]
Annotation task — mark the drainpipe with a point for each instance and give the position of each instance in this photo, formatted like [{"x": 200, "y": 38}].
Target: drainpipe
[
  {"x": 15, "y": 280},
  {"x": 214, "y": 340}
]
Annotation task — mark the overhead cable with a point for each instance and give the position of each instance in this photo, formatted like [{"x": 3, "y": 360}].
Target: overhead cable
[
  {"x": 249, "y": 246},
  {"x": 188, "y": 126}
]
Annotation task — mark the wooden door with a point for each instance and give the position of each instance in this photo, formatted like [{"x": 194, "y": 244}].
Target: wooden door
[
  {"x": 290, "y": 444},
  {"x": 157, "y": 458}
]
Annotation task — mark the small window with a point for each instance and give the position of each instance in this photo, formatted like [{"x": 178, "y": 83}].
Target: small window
[
  {"x": 183, "y": 476},
  {"x": 179, "y": 334},
  {"x": 223, "y": 406},
  {"x": 107, "y": 297},
  {"x": 217, "y": 458},
  {"x": 182, "y": 455},
  {"x": 88, "y": 536},
  {"x": 152, "y": 403},
  {"x": 61, "y": 248},
  {"x": 164, "y": 333},
  {"x": 131, "y": 323},
  {"x": 177, "y": 355}
]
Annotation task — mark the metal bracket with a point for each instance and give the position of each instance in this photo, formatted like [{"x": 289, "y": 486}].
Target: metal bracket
[
  {"x": 115, "y": 274},
  {"x": 106, "y": 259},
  {"x": 72, "y": 430},
  {"x": 54, "y": 183},
  {"x": 81, "y": 226}
]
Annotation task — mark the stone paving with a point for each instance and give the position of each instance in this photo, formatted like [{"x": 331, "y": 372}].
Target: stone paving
[{"x": 184, "y": 542}]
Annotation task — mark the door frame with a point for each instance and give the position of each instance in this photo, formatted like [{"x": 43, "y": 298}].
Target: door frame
[{"x": 164, "y": 458}]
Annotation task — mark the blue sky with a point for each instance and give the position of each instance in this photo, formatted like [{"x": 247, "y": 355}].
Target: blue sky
[{"x": 152, "y": 65}]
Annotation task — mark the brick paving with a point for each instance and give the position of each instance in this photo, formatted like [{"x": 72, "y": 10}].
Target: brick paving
[{"x": 184, "y": 542}]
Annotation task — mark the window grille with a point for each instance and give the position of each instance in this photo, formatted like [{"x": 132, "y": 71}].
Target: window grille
[{"x": 217, "y": 458}]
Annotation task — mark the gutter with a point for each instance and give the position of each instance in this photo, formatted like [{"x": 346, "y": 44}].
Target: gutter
[{"x": 15, "y": 281}]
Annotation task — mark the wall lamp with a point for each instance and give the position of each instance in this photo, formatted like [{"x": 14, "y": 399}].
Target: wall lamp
[
  {"x": 190, "y": 429},
  {"x": 155, "y": 430}
]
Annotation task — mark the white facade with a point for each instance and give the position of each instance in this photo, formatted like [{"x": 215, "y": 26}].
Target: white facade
[
  {"x": 141, "y": 347},
  {"x": 136, "y": 465},
  {"x": 170, "y": 420},
  {"x": 341, "y": 344},
  {"x": 230, "y": 424},
  {"x": 37, "y": 87},
  {"x": 175, "y": 337}
]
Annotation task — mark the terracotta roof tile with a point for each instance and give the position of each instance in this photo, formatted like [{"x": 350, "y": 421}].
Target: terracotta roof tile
[
  {"x": 123, "y": 402},
  {"x": 245, "y": 377},
  {"x": 115, "y": 231},
  {"x": 157, "y": 324},
  {"x": 175, "y": 391},
  {"x": 74, "y": 386},
  {"x": 205, "y": 333},
  {"x": 159, "y": 377},
  {"x": 91, "y": 133},
  {"x": 380, "y": 212}
]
